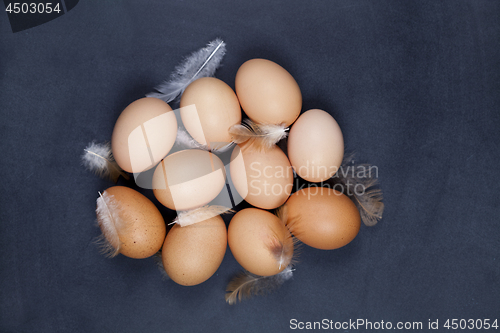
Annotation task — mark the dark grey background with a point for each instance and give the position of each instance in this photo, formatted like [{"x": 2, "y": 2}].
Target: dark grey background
[{"x": 414, "y": 85}]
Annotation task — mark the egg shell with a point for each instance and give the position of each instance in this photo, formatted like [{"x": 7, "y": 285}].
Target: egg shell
[
  {"x": 322, "y": 217},
  {"x": 143, "y": 134},
  {"x": 263, "y": 178},
  {"x": 188, "y": 179},
  {"x": 267, "y": 92},
  {"x": 192, "y": 254},
  {"x": 141, "y": 229},
  {"x": 216, "y": 110},
  {"x": 315, "y": 146},
  {"x": 252, "y": 233}
]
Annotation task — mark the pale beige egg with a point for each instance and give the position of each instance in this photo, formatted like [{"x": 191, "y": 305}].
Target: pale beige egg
[
  {"x": 267, "y": 92},
  {"x": 209, "y": 107},
  {"x": 188, "y": 179},
  {"x": 260, "y": 242},
  {"x": 323, "y": 218},
  {"x": 263, "y": 178},
  {"x": 315, "y": 146},
  {"x": 192, "y": 254},
  {"x": 130, "y": 222},
  {"x": 143, "y": 134}
]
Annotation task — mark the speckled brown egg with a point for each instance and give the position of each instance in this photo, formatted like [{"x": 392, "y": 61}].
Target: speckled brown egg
[
  {"x": 323, "y": 218},
  {"x": 192, "y": 254},
  {"x": 260, "y": 242},
  {"x": 267, "y": 92},
  {"x": 131, "y": 223}
]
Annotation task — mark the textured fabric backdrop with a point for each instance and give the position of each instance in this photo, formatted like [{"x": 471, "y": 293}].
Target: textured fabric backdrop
[{"x": 414, "y": 85}]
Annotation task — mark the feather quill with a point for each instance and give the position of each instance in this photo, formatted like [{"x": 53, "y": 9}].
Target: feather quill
[
  {"x": 369, "y": 198},
  {"x": 99, "y": 159},
  {"x": 188, "y": 217},
  {"x": 109, "y": 220},
  {"x": 258, "y": 136},
  {"x": 246, "y": 284},
  {"x": 283, "y": 251},
  {"x": 201, "y": 63}
]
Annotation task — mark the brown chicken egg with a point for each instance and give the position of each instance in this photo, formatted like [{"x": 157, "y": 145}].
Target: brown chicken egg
[
  {"x": 315, "y": 146},
  {"x": 263, "y": 178},
  {"x": 267, "y": 92},
  {"x": 143, "y": 134},
  {"x": 130, "y": 223},
  {"x": 188, "y": 179},
  {"x": 209, "y": 107},
  {"x": 322, "y": 217},
  {"x": 193, "y": 253},
  {"x": 260, "y": 242}
]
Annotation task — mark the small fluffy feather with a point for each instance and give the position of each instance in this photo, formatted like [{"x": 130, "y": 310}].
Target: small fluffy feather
[
  {"x": 291, "y": 224},
  {"x": 201, "y": 63},
  {"x": 246, "y": 284},
  {"x": 369, "y": 202},
  {"x": 286, "y": 253},
  {"x": 159, "y": 263},
  {"x": 258, "y": 136},
  {"x": 185, "y": 140},
  {"x": 97, "y": 157},
  {"x": 109, "y": 220},
  {"x": 188, "y": 217}
]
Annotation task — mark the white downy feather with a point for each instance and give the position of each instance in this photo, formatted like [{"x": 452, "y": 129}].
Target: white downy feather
[
  {"x": 109, "y": 220},
  {"x": 185, "y": 140},
  {"x": 159, "y": 263},
  {"x": 285, "y": 251},
  {"x": 258, "y": 136},
  {"x": 246, "y": 284},
  {"x": 201, "y": 63},
  {"x": 97, "y": 157},
  {"x": 188, "y": 217}
]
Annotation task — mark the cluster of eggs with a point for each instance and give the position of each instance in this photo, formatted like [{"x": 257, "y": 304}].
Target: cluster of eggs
[{"x": 185, "y": 180}]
